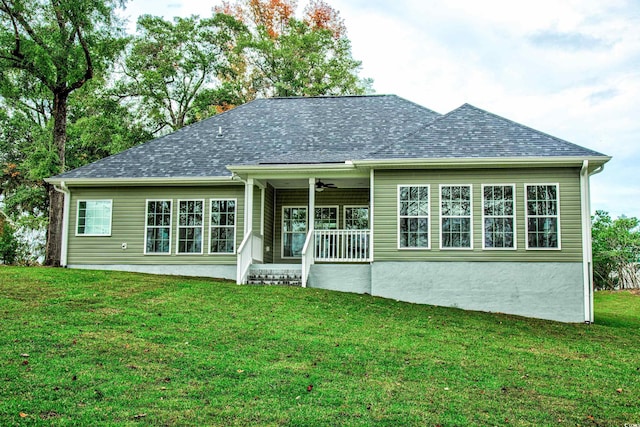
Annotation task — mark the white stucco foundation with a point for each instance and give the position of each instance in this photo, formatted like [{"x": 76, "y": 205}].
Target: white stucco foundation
[
  {"x": 214, "y": 271},
  {"x": 549, "y": 290},
  {"x": 341, "y": 277}
]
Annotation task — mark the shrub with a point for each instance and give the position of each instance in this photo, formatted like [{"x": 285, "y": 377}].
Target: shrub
[
  {"x": 616, "y": 251},
  {"x": 8, "y": 244}
]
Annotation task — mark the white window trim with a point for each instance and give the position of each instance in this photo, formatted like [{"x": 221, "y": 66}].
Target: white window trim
[
  {"x": 515, "y": 215},
  {"x": 235, "y": 225},
  {"x": 282, "y": 228},
  {"x": 428, "y": 217},
  {"x": 526, "y": 217},
  {"x": 178, "y": 227},
  {"x": 146, "y": 227},
  {"x": 466, "y": 248},
  {"x": 110, "y": 218},
  {"x": 344, "y": 214},
  {"x": 336, "y": 207}
]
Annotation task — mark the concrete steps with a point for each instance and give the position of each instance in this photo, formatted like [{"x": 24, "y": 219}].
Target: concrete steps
[{"x": 275, "y": 274}]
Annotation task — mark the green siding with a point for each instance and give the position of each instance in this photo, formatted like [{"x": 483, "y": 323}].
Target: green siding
[
  {"x": 386, "y": 213},
  {"x": 128, "y": 225},
  {"x": 257, "y": 208},
  {"x": 340, "y": 197},
  {"x": 269, "y": 214}
]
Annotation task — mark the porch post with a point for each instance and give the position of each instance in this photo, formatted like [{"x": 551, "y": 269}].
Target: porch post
[
  {"x": 248, "y": 206},
  {"x": 311, "y": 215}
]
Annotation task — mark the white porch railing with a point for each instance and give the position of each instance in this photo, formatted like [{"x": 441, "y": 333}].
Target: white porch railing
[
  {"x": 342, "y": 245},
  {"x": 250, "y": 250},
  {"x": 307, "y": 257},
  {"x": 256, "y": 247}
]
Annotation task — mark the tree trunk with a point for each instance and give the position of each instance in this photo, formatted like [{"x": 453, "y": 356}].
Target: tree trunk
[
  {"x": 56, "y": 199},
  {"x": 54, "y": 231}
]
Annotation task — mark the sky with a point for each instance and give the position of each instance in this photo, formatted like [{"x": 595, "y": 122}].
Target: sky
[{"x": 570, "y": 68}]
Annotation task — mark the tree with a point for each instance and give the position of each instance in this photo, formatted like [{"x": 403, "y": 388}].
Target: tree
[
  {"x": 286, "y": 56},
  {"x": 616, "y": 251},
  {"x": 60, "y": 44},
  {"x": 100, "y": 125},
  {"x": 170, "y": 65}
]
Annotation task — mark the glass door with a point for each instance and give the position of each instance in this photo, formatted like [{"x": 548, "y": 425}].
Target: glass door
[{"x": 294, "y": 231}]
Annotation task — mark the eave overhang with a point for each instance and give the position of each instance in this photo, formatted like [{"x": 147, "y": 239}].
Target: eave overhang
[
  {"x": 483, "y": 163},
  {"x": 143, "y": 182},
  {"x": 348, "y": 168}
]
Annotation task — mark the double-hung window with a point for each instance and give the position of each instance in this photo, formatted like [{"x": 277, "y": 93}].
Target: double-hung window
[
  {"x": 498, "y": 217},
  {"x": 543, "y": 216},
  {"x": 94, "y": 218},
  {"x": 190, "y": 226},
  {"x": 222, "y": 226},
  {"x": 413, "y": 217},
  {"x": 326, "y": 218},
  {"x": 356, "y": 217},
  {"x": 158, "y": 227},
  {"x": 455, "y": 217}
]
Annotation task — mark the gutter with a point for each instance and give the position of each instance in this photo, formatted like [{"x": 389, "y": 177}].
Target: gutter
[
  {"x": 482, "y": 162},
  {"x": 130, "y": 182},
  {"x": 65, "y": 221}
]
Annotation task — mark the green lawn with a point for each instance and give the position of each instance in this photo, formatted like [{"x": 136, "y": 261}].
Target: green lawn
[{"x": 108, "y": 348}]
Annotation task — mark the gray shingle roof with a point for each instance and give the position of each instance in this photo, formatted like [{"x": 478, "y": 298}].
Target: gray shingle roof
[
  {"x": 326, "y": 130},
  {"x": 470, "y": 132}
]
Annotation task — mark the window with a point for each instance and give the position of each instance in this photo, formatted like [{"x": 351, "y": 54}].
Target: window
[
  {"x": 455, "y": 217},
  {"x": 158, "y": 227},
  {"x": 294, "y": 231},
  {"x": 326, "y": 218},
  {"x": 498, "y": 216},
  {"x": 413, "y": 216},
  {"x": 356, "y": 217},
  {"x": 223, "y": 226},
  {"x": 190, "y": 226},
  {"x": 94, "y": 218},
  {"x": 357, "y": 244},
  {"x": 543, "y": 218}
]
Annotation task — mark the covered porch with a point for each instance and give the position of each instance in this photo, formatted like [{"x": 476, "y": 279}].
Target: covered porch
[{"x": 296, "y": 222}]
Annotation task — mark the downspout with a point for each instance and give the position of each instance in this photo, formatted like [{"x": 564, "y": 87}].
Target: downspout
[
  {"x": 65, "y": 221},
  {"x": 584, "y": 183},
  {"x": 371, "y": 213},
  {"x": 586, "y": 242}
]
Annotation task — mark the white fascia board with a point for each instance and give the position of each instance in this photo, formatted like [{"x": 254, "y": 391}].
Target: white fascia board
[
  {"x": 115, "y": 182},
  {"x": 293, "y": 171},
  {"x": 484, "y": 162}
]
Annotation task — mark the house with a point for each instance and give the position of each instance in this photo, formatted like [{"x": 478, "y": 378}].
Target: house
[{"x": 365, "y": 194}]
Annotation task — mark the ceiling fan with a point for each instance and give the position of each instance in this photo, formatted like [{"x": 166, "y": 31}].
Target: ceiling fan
[{"x": 320, "y": 186}]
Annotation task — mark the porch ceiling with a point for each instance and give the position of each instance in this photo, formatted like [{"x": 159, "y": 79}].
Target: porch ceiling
[{"x": 360, "y": 182}]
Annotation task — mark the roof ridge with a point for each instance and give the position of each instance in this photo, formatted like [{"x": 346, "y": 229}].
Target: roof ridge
[{"x": 372, "y": 95}]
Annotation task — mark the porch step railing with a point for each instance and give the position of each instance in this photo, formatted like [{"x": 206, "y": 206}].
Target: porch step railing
[
  {"x": 342, "y": 245},
  {"x": 250, "y": 251},
  {"x": 307, "y": 257}
]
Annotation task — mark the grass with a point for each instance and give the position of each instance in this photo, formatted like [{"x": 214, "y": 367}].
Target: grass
[{"x": 110, "y": 348}]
